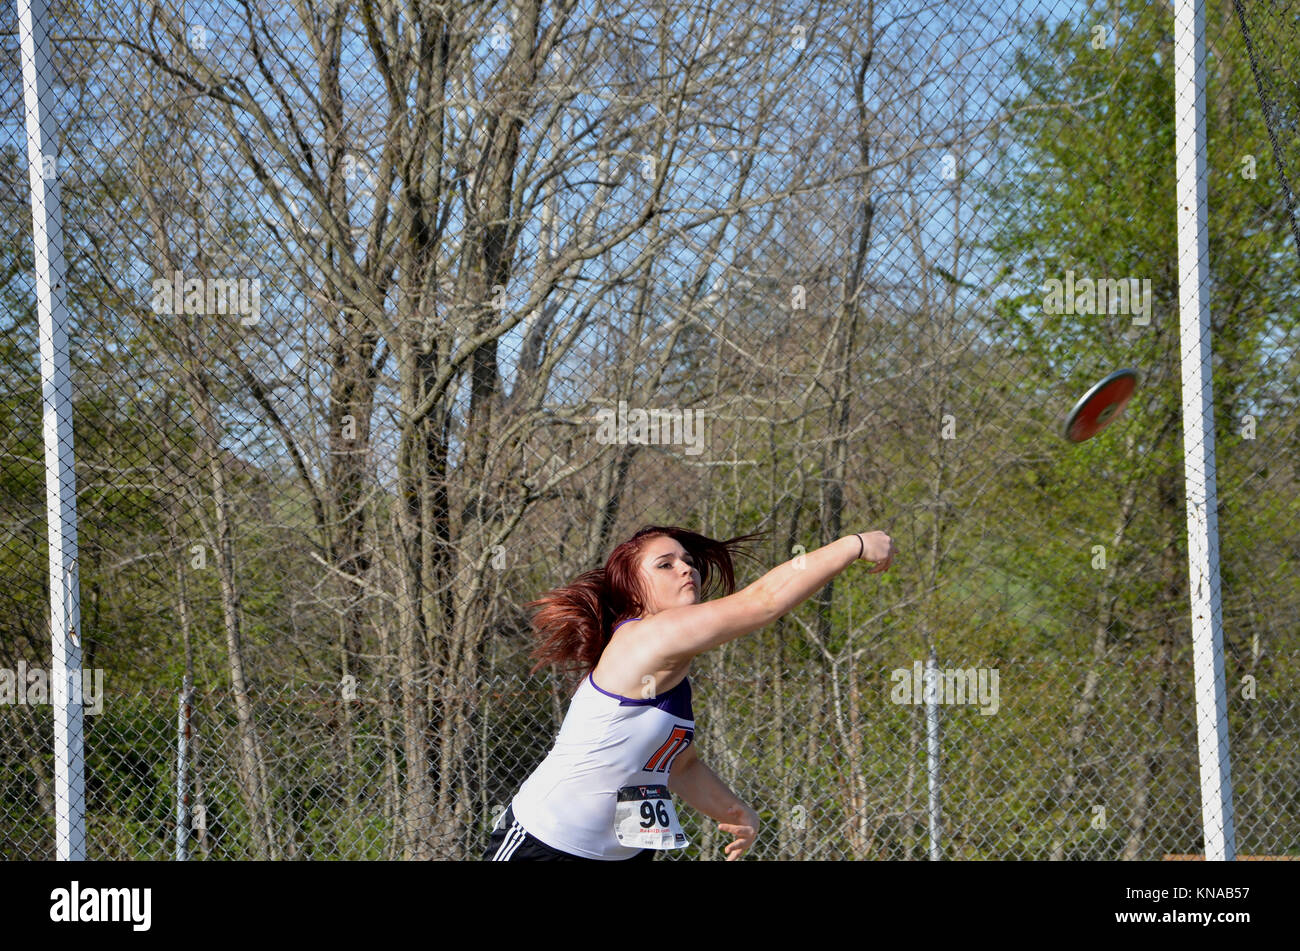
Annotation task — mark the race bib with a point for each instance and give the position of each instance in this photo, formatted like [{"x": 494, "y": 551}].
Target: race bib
[{"x": 645, "y": 819}]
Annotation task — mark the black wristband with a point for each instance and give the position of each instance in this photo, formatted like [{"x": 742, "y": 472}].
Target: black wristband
[{"x": 861, "y": 547}]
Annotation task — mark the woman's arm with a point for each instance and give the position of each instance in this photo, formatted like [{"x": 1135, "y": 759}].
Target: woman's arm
[
  {"x": 681, "y": 633},
  {"x": 701, "y": 789}
]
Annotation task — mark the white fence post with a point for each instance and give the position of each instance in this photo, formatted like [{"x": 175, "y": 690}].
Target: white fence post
[
  {"x": 932, "y": 751},
  {"x": 60, "y": 474},
  {"x": 1198, "y": 431}
]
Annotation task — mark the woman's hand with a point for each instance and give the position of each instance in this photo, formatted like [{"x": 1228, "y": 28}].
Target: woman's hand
[
  {"x": 743, "y": 825},
  {"x": 877, "y": 547}
]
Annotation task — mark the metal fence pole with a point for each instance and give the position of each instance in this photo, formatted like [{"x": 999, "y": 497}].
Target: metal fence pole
[
  {"x": 60, "y": 475},
  {"x": 182, "y": 771},
  {"x": 1198, "y": 431},
  {"x": 932, "y": 751}
]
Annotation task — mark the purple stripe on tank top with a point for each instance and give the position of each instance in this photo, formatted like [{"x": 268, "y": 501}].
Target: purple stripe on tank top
[{"x": 675, "y": 703}]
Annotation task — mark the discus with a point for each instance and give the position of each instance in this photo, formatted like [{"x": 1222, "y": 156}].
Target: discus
[{"x": 1100, "y": 406}]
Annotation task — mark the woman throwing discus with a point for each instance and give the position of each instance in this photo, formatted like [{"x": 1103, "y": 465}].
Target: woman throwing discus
[{"x": 626, "y": 746}]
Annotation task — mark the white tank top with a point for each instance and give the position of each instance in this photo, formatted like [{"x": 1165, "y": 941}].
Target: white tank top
[{"x": 606, "y": 742}]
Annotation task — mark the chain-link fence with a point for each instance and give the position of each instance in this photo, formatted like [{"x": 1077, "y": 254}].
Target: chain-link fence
[
  {"x": 834, "y": 765},
  {"x": 385, "y": 319}
]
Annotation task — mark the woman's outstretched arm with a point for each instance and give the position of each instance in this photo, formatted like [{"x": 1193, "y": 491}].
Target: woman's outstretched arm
[{"x": 681, "y": 633}]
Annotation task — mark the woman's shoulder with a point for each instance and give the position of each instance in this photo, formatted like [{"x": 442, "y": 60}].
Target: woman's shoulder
[{"x": 631, "y": 667}]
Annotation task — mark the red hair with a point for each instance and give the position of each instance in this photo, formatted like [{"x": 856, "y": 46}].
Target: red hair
[{"x": 573, "y": 623}]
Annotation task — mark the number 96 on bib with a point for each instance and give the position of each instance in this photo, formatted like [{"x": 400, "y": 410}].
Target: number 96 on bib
[{"x": 645, "y": 819}]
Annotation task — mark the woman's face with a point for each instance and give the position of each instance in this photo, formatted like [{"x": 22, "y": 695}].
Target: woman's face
[{"x": 669, "y": 577}]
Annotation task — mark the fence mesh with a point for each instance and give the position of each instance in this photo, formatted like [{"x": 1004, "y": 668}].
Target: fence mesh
[{"x": 386, "y": 319}]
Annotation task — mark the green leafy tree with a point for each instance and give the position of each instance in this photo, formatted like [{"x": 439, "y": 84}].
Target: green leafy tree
[{"x": 1090, "y": 198}]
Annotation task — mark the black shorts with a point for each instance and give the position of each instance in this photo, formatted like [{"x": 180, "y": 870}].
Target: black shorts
[{"x": 511, "y": 843}]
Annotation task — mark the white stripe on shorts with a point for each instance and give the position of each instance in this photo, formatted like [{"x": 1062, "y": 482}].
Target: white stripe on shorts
[
  {"x": 514, "y": 847},
  {"x": 514, "y": 838}
]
